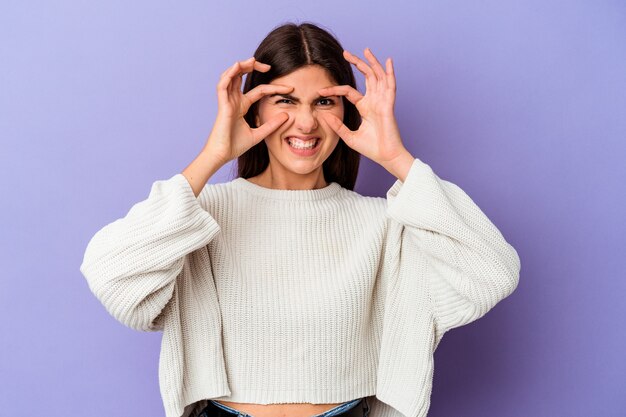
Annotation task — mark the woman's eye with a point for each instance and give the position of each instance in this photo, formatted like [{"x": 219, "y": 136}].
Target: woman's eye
[
  {"x": 326, "y": 101},
  {"x": 283, "y": 100}
]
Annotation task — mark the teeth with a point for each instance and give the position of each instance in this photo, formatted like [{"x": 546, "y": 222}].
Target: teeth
[{"x": 302, "y": 144}]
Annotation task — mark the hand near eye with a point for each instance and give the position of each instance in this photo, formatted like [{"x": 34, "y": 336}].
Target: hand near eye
[
  {"x": 378, "y": 136},
  {"x": 232, "y": 135}
]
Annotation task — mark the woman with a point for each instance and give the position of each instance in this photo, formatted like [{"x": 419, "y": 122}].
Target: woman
[{"x": 283, "y": 292}]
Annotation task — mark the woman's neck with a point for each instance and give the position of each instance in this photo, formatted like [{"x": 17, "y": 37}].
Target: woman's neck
[{"x": 292, "y": 181}]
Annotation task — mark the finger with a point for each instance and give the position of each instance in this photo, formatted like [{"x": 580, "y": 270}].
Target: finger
[
  {"x": 361, "y": 65},
  {"x": 245, "y": 67},
  {"x": 337, "y": 125},
  {"x": 252, "y": 64},
  {"x": 223, "y": 84},
  {"x": 235, "y": 83},
  {"x": 353, "y": 95},
  {"x": 262, "y": 90},
  {"x": 391, "y": 76},
  {"x": 378, "y": 69},
  {"x": 226, "y": 77},
  {"x": 236, "y": 78},
  {"x": 231, "y": 79},
  {"x": 240, "y": 68},
  {"x": 268, "y": 127},
  {"x": 226, "y": 70},
  {"x": 260, "y": 66}
]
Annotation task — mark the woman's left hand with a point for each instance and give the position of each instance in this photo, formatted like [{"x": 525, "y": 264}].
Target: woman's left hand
[{"x": 378, "y": 136}]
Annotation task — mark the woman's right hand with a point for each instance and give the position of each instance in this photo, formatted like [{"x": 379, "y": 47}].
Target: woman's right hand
[{"x": 231, "y": 135}]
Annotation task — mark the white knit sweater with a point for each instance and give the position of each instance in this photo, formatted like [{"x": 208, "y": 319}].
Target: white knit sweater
[{"x": 300, "y": 296}]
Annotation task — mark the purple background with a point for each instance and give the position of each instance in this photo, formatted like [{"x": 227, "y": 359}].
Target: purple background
[{"x": 522, "y": 104}]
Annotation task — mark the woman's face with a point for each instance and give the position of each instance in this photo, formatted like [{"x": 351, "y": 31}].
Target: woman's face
[{"x": 303, "y": 106}]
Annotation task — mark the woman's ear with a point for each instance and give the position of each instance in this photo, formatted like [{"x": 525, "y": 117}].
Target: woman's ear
[{"x": 257, "y": 120}]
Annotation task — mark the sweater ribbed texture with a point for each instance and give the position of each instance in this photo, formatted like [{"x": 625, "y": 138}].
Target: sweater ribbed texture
[{"x": 300, "y": 296}]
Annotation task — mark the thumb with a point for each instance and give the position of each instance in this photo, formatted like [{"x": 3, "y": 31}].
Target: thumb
[
  {"x": 268, "y": 127},
  {"x": 337, "y": 125}
]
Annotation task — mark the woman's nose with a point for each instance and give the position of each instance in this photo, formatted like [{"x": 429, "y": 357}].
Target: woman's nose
[{"x": 306, "y": 120}]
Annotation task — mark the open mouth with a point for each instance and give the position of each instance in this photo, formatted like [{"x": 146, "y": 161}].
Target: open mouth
[{"x": 303, "y": 145}]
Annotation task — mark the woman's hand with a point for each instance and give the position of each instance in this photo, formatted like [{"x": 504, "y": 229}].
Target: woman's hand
[
  {"x": 378, "y": 137},
  {"x": 231, "y": 135}
]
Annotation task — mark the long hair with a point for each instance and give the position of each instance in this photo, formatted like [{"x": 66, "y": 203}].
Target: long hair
[{"x": 286, "y": 48}]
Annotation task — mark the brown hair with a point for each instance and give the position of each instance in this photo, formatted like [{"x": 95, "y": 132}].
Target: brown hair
[{"x": 287, "y": 48}]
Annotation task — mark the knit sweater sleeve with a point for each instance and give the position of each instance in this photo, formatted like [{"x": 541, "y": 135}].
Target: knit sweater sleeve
[
  {"x": 131, "y": 264},
  {"x": 469, "y": 265}
]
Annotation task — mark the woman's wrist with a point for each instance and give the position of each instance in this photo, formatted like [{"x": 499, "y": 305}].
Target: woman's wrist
[
  {"x": 399, "y": 166},
  {"x": 201, "y": 169}
]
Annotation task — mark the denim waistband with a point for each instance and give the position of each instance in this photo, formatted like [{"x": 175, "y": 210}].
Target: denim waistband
[
  {"x": 329, "y": 413},
  {"x": 340, "y": 408}
]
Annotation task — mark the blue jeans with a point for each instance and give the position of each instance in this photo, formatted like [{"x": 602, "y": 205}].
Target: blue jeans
[{"x": 347, "y": 409}]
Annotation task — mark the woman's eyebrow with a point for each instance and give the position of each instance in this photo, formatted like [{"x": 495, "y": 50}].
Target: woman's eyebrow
[
  {"x": 293, "y": 98},
  {"x": 287, "y": 96}
]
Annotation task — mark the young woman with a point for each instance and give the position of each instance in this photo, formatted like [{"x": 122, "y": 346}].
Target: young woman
[{"x": 283, "y": 292}]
